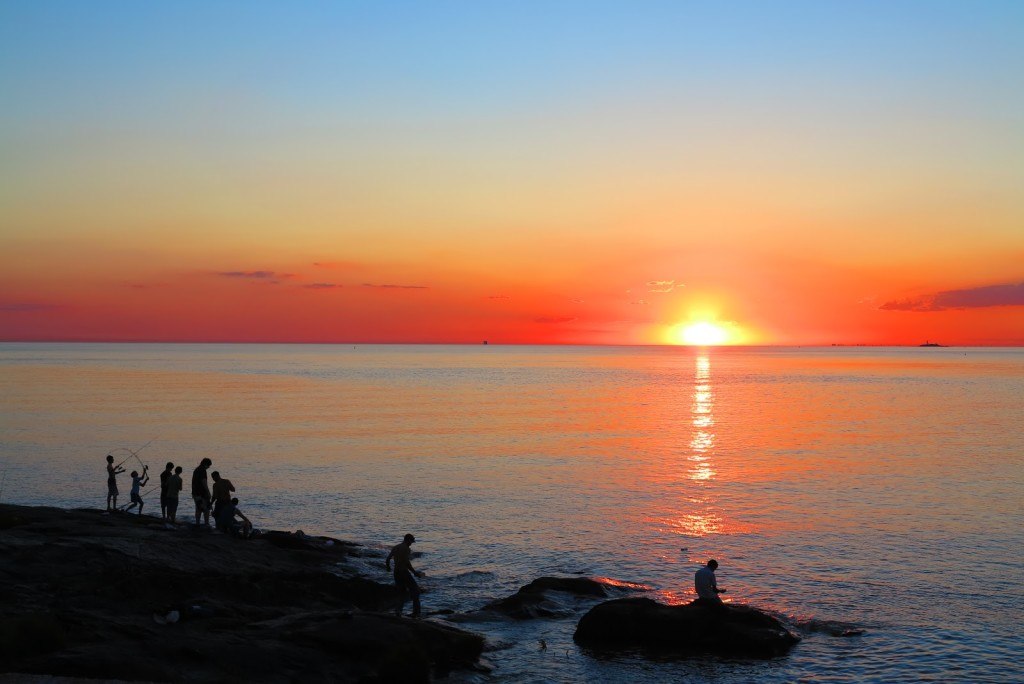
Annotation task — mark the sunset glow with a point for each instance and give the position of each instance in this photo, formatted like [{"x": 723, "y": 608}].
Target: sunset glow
[
  {"x": 703, "y": 334},
  {"x": 593, "y": 178}
]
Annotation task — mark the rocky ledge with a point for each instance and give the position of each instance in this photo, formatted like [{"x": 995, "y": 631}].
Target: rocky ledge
[
  {"x": 732, "y": 630},
  {"x": 121, "y": 597}
]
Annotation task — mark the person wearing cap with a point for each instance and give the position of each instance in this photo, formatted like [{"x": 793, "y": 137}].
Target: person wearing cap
[
  {"x": 707, "y": 587},
  {"x": 404, "y": 572}
]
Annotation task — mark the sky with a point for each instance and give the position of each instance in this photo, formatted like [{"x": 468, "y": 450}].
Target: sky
[{"x": 528, "y": 172}]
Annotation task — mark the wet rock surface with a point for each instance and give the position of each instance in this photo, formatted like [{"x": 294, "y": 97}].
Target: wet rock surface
[
  {"x": 120, "y": 597},
  {"x": 536, "y": 600},
  {"x": 689, "y": 629}
]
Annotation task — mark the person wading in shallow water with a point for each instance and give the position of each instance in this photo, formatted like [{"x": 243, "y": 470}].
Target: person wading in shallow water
[
  {"x": 404, "y": 572},
  {"x": 112, "y": 473},
  {"x": 707, "y": 587}
]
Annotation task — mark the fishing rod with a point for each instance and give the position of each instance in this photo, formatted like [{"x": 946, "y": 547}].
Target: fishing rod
[{"x": 134, "y": 454}]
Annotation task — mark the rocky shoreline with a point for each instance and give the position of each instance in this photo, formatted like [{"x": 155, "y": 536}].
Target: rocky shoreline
[
  {"x": 121, "y": 597},
  {"x": 124, "y": 597}
]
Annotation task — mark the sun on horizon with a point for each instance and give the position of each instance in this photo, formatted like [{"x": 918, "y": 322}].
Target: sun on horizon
[{"x": 701, "y": 334}]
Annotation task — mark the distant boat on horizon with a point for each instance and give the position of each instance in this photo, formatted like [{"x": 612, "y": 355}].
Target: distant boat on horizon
[{"x": 931, "y": 344}]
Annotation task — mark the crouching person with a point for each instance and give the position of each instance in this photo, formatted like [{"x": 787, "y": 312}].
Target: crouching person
[{"x": 228, "y": 518}]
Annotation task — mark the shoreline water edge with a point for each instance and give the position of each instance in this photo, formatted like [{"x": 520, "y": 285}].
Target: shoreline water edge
[{"x": 130, "y": 597}]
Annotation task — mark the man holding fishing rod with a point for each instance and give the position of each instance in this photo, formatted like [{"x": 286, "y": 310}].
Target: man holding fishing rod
[{"x": 112, "y": 473}]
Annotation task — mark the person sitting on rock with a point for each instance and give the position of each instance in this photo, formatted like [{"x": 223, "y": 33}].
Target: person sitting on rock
[
  {"x": 404, "y": 575},
  {"x": 138, "y": 482},
  {"x": 112, "y": 473},
  {"x": 222, "y": 489},
  {"x": 226, "y": 520},
  {"x": 707, "y": 587}
]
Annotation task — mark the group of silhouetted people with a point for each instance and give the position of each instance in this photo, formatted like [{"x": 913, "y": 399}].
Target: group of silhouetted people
[
  {"x": 219, "y": 501},
  {"x": 230, "y": 520}
]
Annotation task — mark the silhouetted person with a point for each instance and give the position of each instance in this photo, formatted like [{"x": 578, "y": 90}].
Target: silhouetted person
[
  {"x": 138, "y": 482},
  {"x": 707, "y": 586},
  {"x": 226, "y": 519},
  {"x": 404, "y": 575},
  {"x": 201, "y": 491},
  {"x": 222, "y": 489},
  {"x": 174, "y": 486},
  {"x": 164, "y": 477},
  {"x": 112, "y": 473}
]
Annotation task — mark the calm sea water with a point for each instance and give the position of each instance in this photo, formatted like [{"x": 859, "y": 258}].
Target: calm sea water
[{"x": 881, "y": 488}]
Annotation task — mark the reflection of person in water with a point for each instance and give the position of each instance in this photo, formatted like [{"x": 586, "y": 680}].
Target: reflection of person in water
[
  {"x": 706, "y": 585},
  {"x": 404, "y": 572}
]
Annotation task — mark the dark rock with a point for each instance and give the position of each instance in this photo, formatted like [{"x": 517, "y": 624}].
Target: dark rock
[
  {"x": 532, "y": 601},
  {"x": 692, "y": 628},
  {"x": 89, "y": 595}
]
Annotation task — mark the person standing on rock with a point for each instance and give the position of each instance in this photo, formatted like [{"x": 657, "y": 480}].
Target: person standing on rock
[
  {"x": 174, "y": 486},
  {"x": 402, "y": 554},
  {"x": 222, "y": 489},
  {"x": 112, "y": 473},
  {"x": 164, "y": 477},
  {"x": 138, "y": 482},
  {"x": 707, "y": 586},
  {"x": 201, "y": 491}
]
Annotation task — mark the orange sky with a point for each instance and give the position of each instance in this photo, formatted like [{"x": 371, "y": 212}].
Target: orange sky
[{"x": 602, "y": 180}]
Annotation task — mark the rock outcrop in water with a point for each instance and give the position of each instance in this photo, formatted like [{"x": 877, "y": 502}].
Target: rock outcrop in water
[
  {"x": 534, "y": 601},
  {"x": 685, "y": 629},
  {"x": 121, "y": 597}
]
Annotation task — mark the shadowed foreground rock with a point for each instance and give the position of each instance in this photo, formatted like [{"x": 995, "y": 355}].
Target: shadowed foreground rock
[
  {"x": 88, "y": 595},
  {"x": 533, "y": 601},
  {"x": 685, "y": 629}
]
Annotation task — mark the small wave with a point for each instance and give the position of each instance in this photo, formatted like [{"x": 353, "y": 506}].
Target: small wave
[
  {"x": 835, "y": 628},
  {"x": 622, "y": 584},
  {"x": 474, "y": 574}
]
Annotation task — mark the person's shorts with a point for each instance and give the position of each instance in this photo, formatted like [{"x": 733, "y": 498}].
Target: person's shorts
[
  {"x": 163, "y": 498},
  {"x": 112, "y": 488},
  {"x": 172, "y": 507},
  {"x": 136, "y": 498},
  {"x": 202, "y": 503}
]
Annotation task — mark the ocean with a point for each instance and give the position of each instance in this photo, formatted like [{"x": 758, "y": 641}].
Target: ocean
[{"x": 879, "y": 489}]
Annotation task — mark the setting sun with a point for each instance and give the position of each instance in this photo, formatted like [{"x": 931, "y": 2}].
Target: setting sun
[{"x": 701, "y": 334}]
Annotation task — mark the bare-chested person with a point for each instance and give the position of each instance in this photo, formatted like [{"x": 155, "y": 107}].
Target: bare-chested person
[
  {"x": 404, "y": 572},
  {"x": 222, "y": 489},
  {"x": 112, "y": 473}
]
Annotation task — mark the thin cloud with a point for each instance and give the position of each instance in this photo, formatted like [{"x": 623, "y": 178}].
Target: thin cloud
[
  {"x": 662, "y": 285},
  {"x": 258, "y": 275},
  {"x": 497, "y": 296},
  {"x": 321, "y": 286},
  {"x": 26, "y": 307},
  {"x": 268, "y": 277},
  {"x": 396, "y": 287},
  {"x": 1009, "y": 294}
]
